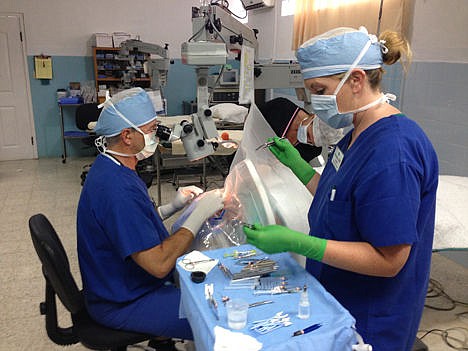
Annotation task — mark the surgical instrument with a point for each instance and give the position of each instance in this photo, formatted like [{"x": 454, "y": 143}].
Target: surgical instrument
[
  {"x": 248, "y": 225},
  {"x": 249, "y": 261},
  {"x": 189, "y": 264},
  {"x": 241, "y": 254},
  {"x": 268, "y": 144},
  {"x": 260, "y": 303},
  {"x": 209, "y": 291}
]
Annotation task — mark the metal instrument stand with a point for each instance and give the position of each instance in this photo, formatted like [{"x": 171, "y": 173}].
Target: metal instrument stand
[
  {"x": 178, "y": 162},
  {"x": 62, "y": 130}
]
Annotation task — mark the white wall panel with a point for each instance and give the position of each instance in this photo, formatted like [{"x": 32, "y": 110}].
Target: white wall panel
[{"x": 65, "y": 27}]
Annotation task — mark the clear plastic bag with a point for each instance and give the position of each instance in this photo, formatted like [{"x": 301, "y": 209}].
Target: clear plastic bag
[{"x": 221, "y": 230}]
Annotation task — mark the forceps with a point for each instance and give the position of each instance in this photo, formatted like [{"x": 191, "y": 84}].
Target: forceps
[
  {"x": 267, "y": 144},
  {"x": 248, "y": 225},
  {"x": 189, "y": 264}
]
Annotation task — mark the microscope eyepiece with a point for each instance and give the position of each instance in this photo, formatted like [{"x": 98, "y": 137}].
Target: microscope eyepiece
[{"x": 163, "y": 132}]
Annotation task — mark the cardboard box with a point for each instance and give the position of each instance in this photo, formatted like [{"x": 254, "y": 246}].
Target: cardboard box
[
  {"x": 119, "y": 37},
  {"x": 103, "y": 40}
]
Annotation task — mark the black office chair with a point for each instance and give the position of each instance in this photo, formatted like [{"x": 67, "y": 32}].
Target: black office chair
[
  {"x": 60, "y": 282},
  {"x": 85, "y": 114}
]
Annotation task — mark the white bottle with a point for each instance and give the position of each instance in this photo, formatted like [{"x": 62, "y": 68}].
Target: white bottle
[{"x": 304, "y": 305}]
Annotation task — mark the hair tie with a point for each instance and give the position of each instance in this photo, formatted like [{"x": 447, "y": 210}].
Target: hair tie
[{"x": 383, "y": 48}]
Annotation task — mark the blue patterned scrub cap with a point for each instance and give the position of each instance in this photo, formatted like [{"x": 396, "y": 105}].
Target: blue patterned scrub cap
[
  {"x": 135, "y": 104},
  {"x": 335, "y": 51}
]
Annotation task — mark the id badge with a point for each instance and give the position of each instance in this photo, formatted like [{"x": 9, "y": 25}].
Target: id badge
[{"x": 337, "y": 158}]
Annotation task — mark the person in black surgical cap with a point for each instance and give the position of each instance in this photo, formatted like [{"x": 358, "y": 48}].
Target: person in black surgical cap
[{"x": 307, "y": 133}]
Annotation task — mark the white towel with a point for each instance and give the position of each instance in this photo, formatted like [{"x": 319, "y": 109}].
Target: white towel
[
  {"x": 226, "y": 340},
  {"x": 195, "y": 256}
]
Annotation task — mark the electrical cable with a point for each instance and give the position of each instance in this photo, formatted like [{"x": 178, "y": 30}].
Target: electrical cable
[
  {"x": 226, "y": 8},
  {"x": 458, "y": 341},
  {"x": 451, "y": 341},
  {"x": 435, "y": 290},
  {"x": 193, "y": 36}
]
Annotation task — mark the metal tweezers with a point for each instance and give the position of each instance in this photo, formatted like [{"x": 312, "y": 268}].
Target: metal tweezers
[
  {"x": 210, "y": 299},
  {"x": 267, "y": 144}
]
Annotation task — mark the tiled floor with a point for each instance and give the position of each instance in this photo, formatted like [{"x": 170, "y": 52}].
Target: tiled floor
[{"x": 50, "y": 187}]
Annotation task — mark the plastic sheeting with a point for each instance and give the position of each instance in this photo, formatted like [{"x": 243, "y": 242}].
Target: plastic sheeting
[
  {"x": 258, "y": 188},
  {"x": 287, "y": 196}
]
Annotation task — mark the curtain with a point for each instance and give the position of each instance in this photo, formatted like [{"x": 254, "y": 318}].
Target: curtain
[{"x": 313, "y": 17}]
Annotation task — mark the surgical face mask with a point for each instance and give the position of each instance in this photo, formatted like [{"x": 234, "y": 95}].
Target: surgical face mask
[
  {"x": 326, "y": 107},
  {"x": 302, "y": 133},
  {"x": 151, "y": 143}
]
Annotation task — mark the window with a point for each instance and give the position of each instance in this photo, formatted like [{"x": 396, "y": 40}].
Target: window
[
  {"x": 236, "y": 7},
  {"x": 331, "y": 4},
  {"x": 287, "y": 7},
  {"x": 313, "y": 17}
]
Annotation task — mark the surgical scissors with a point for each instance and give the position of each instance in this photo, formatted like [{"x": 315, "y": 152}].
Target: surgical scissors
[{"x": 189, "y": 264}]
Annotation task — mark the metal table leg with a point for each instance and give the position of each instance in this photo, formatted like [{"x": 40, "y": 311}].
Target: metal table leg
[
  {"x": 62, "y": 129},
  {"x": 158, "y": 174}
]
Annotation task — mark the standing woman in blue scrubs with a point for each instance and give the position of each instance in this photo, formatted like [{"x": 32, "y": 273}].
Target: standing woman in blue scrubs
[{"x": 372, "y": 217}]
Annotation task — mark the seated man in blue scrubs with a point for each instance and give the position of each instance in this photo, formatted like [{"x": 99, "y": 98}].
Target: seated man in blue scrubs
[{"x": 126, "y": 255}]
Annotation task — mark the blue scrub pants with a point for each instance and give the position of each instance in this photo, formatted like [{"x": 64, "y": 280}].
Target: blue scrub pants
[{"x": 156, "y": 313}]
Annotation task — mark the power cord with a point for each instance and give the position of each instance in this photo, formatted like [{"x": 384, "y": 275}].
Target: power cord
[
  {"x": 450, "y": 337},
  {"x": 435, "y": 290},
  {"x": 456, "y": 337}
]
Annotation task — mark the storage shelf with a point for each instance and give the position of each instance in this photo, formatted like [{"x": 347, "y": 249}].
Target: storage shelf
[
  {"x": 113, "y": 82},
  {"x": 119, "y": 79}
]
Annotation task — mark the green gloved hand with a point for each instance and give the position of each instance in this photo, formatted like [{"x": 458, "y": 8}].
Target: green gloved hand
[
  {"x": 288, "y": 155},
  {"x": 276, "y": 238}
]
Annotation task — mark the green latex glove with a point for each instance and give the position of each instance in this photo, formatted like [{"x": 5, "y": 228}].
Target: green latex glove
[
  {"x": 288, "y": 155},
  {"x": 276, "y": 238}
]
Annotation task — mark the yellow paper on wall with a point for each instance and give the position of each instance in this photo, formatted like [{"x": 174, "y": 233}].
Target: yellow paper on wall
[{"x": 42, "y": 67}]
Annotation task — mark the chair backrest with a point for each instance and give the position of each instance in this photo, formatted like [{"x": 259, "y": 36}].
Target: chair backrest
[
  {"x": 55, "y": 265},
  {"x": 86, "y": 113}
]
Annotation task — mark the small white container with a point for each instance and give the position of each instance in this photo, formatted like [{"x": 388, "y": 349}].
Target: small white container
[{"x": 103, "y": 40}]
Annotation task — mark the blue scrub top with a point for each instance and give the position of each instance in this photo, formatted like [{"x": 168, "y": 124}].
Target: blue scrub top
[
  {"x": 116, "y": 218},
  {"x": 385, "y": 193}
]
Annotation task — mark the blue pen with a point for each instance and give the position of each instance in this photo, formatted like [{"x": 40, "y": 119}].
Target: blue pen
[{"x": 307, "y": 330}]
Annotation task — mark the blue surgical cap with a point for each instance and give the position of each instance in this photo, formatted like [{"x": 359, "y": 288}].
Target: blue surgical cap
[
  {"x": 135, "y": 104},
  {"x": 334, "y": 52}
]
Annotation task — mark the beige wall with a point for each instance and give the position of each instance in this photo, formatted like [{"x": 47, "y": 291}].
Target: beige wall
[
  {"x": 440, "y": 30},
  {"x": 63, "y": 28}
]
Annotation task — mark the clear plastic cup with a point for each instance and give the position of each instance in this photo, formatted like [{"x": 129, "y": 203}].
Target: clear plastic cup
[{"x": 237, "y": 313}]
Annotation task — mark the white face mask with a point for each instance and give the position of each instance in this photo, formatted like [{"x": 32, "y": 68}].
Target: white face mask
[
  {"x": 151, "y": 144},
  {"x": 302, "y": 133}
]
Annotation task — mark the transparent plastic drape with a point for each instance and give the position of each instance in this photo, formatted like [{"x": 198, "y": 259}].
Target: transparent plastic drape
[{"x": 258, "y": 189}]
